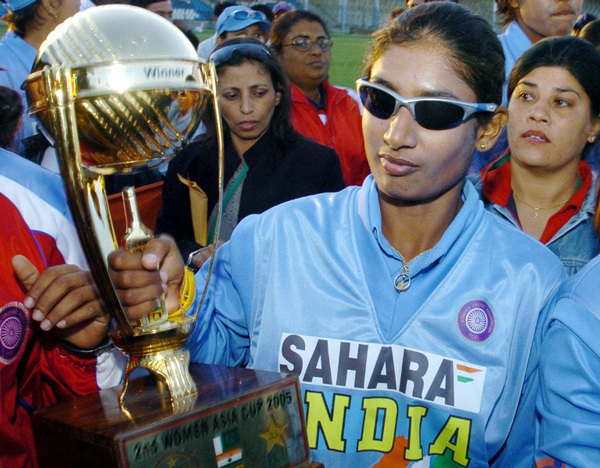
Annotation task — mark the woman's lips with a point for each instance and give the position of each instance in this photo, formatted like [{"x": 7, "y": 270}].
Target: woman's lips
[
  {"x": 564, "y": 12},
  {"x": 397, "y": 166},
  {"x": 535, "y": 137},
  {"x": 317, "y": 64},
  {"x": 248, "y": 125}
]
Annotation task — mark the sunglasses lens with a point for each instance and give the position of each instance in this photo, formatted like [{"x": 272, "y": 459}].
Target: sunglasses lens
[
  {"x": 379, "y": 103},
  {"x": 432, "y": 115},
  {"x": 256, "y": 51},
  {"x": 435, "y": 115},
  {"x": 241, "y": 15}
]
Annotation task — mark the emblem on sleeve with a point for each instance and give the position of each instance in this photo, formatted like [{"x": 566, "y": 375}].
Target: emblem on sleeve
[
  {"x": 14, "y": 326},
  {"x": 476, "y": 321}
]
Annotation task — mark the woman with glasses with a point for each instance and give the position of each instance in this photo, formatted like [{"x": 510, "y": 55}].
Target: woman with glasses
[
  {"x": 266, "y": 161},
  {"x": 320, "y": 111},
  {"x": 406, "y": 309},
  {"x": 541, "y": 185}
]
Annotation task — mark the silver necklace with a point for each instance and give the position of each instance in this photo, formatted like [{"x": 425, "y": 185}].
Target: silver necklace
[{"x": 402, "y": 280}]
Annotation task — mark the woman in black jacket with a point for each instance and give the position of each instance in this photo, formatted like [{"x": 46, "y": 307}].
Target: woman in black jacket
[{"x": 266, "y": 161}]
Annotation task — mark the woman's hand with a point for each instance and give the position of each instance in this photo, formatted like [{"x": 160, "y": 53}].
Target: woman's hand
[
  {"x": 202, "y": 255},
  {"x": 64, "y": 297},
  {"x": 139, "y": 281}
]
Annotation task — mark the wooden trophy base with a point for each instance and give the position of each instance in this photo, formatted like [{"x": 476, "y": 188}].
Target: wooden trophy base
[{"x": 239, "y": 418}]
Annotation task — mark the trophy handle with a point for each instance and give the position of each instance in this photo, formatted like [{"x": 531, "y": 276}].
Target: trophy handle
[{"x": 213, "y": 82}]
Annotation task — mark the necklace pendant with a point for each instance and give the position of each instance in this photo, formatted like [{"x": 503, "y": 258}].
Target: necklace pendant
[
  {"x": 402, "y": 282},
  {"x": 535, "y": 215}
]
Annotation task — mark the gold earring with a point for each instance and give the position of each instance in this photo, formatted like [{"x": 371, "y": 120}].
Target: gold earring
[
  {"x": 592, "y": 139},
  {"x": 482, "y": 146}
]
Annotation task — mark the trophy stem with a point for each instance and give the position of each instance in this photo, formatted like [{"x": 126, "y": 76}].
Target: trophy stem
[{"x": 171, "y": 369}]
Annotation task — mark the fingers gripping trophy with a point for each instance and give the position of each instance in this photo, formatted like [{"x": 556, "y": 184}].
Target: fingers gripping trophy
[{"x": 101, "y": 88}]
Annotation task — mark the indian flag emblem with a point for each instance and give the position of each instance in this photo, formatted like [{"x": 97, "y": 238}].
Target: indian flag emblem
[
  {"x": 228, "y": 450},
  {"x": 464, "y": 373}
]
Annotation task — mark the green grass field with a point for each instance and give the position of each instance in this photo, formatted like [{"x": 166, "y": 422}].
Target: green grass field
[
  {"x": 347, "y": 59},
  {"x": 346, "y": 56}
]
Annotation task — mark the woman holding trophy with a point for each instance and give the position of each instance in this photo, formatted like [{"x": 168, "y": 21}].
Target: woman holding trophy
[{"x": 396, "y": 303}]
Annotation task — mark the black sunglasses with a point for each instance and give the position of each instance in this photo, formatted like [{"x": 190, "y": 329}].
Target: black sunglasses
[
  {"x": 255, "y": 51},
  {"x": 429, "y": 112}
]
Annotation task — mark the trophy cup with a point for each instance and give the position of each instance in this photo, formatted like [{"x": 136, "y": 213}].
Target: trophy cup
[{"x": 101, "y": 89}]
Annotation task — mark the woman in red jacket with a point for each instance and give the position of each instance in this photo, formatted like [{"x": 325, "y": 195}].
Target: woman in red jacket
[
  {"x": 320, "y": 111},
  {"x": 52, "y": 327}
]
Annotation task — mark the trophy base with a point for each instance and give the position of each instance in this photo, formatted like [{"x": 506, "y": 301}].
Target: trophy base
[{"x": 238, "y": 418}]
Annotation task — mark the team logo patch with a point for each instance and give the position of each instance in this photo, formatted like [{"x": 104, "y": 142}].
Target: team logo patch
[
  {"x": 476, "y": 321},
  {"x": 14, "y": 326}
]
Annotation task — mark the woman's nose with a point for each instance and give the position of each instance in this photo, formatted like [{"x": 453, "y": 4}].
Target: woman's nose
[
  {"x": 246, "y": 105},
  {"x": 400, "y": 131},
  {"x": 539, "y": 112}
]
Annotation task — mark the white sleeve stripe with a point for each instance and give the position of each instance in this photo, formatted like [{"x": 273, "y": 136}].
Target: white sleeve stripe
[{"x": 42, "y": 217}]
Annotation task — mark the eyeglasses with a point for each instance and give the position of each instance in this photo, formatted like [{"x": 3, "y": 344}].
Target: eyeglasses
[
  {"x": 304, "y": 44},
  {"x": 255, "y": 51},
  {"x": 180, "y": 93},
  {"x": 429, "y": 112},
  {"x": 245, "y": 14}
]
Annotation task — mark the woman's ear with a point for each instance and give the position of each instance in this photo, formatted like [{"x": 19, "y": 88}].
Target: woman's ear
[
  {"x": 51, "y": 6},
  {"x": 277, "y": 97},
  {"x": 595, "y": 130},
  {"x": 488, "y": 133}
]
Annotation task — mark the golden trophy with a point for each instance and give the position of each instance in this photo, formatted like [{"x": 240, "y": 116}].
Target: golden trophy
[{"x": 101, "y": 88}]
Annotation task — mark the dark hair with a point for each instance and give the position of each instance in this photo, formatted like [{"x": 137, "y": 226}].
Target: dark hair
[
  {"x": 591, "y": 33},
  {"x": 265, "y": 10},
  {"x": 143, "y": 3},
  {"x": 396, "y": 12},
  {"x": 470, "y": 42},
  {"x": 11, "y": 109},
  {"x": 21, "y": 20},
  {"x": 575, "y": 55},
  {"x": 281, "y": 126},
  {"x": 507, "y": 12},
  {"x": 219, "y": 7},
  {"x": 284, "y": 23}
]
